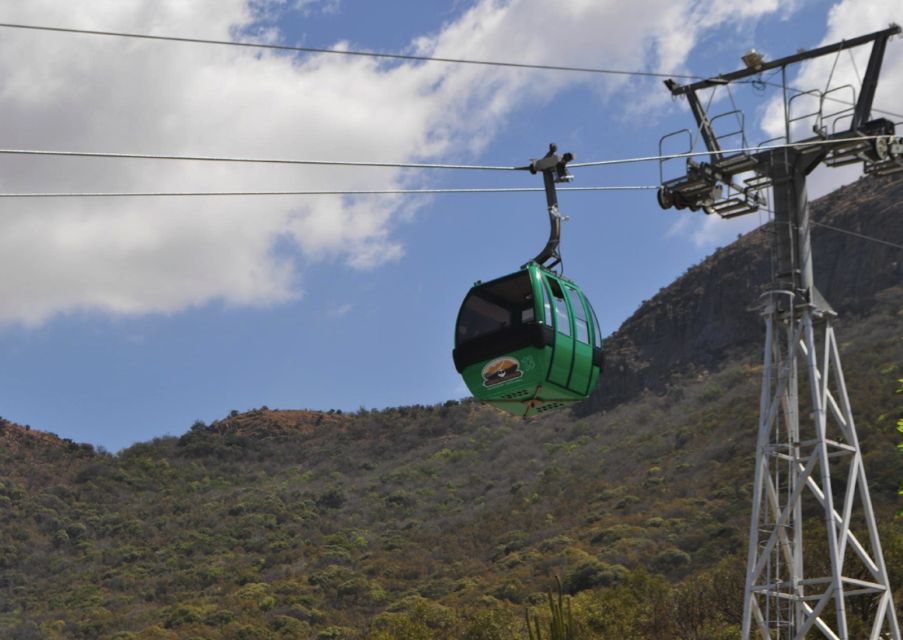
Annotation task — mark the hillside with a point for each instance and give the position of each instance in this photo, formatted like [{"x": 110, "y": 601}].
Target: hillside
[
  {"x": 704, "y": 314},
  {"x": 447, "y": 521}
]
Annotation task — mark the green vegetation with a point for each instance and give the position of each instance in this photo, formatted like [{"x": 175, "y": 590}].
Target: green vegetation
[
  {"x": 447, "y": 521},
  {"x": 443, "y": 521}
]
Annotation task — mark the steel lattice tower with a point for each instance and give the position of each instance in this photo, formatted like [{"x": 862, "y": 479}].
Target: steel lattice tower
[{"x": 807, "y": 453}]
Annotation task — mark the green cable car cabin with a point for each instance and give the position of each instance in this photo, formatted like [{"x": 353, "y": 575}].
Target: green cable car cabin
[{"x": 528, "y": 342}]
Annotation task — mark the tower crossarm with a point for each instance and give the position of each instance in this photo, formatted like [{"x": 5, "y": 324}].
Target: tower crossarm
[
  {"x": 726, "y": 78},
  {"x": 711, "y": 186}
]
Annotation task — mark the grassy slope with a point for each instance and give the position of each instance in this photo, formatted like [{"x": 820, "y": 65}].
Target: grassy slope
[
  {"x": 430, "y": 522},
  {"x": 329, "y": 520}
]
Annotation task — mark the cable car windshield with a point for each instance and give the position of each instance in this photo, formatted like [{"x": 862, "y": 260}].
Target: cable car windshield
[{"x": 496, "y": 306}]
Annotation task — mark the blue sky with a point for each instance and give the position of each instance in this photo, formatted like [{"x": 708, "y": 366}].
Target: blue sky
[{"x": 125, "y": 320}]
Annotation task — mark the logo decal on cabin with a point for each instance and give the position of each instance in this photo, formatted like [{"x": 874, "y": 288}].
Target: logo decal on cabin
[{"x": 501, "y": 370}]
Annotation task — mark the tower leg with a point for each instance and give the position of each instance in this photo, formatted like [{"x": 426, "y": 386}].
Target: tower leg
[{"x": 794, "y": 465}]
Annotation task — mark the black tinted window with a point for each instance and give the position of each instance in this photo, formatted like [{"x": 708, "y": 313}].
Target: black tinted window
[{"x": 496, "y": 306}]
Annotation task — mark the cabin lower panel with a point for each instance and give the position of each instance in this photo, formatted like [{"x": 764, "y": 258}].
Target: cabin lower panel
[{"x": 519, "y": 383}]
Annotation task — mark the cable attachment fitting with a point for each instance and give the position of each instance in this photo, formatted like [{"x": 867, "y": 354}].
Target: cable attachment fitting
[{"x": 552, "y": 161}]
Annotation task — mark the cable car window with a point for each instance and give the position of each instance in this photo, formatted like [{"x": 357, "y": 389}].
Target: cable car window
[
  {"x": 597, "y": 333},
  {"x": 479, "y": 316},
  {"x": 561, "y": 308},
  {"x": 579, "y": 316},
  {"x": 496, "y": 306},
  {"x": 546, "y": 305}
]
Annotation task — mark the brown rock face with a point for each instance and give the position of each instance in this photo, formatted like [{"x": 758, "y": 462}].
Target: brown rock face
[{"x": 693, "y": 323}]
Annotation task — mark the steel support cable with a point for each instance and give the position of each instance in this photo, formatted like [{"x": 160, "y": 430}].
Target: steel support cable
[
  {"x": 337, "y": 192},
  {"x": 397, "y": 56},
  {"x": 393, "y": 56},
  {"x": 775, "y": 85},
  {"x": 399, "y": 165},
  {"x": 149, "y": 194},
  {"x": 855, "y": 68},
  {"x": 831, "y": 75},
  {"x": 856, "y": 235},
  {"x": 691, "y": 154},
  {"x": 288, "y": 161},
  {"x": 370, "y": 54}
]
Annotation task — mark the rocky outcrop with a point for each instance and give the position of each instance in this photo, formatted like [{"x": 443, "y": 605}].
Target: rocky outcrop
[{"x": 694, "y": 322}]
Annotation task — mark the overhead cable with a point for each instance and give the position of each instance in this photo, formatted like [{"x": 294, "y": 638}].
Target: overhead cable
[
  {"x": 857, "y": 235},
  {"x": 392, "y": 56},
  {"x": 691, "y": 154},
  {"x": 342, "y": 52},
  {"x": 352, "y": 192},
  {"x": 337, "y": 192},
  {"x": 403, "y": 165},
  {"x": 197, "y": 158}
]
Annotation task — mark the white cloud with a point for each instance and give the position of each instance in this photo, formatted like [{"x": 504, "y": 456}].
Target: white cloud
[
  {"x": 341, "y": 310},
  {"x": 144, "y": 255},
  {"x": 323, "y": 6}
]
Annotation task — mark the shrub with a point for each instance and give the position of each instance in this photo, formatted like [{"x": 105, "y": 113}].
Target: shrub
[
  {"x": 253, "y": 591},
  {"x": 218, "y": 618},
  {"x": 592, "y": 573},
  {"x": 512, "y": 590},
  {"x": 183, "y": 614},
  {"x": 249, "y": 632},
  {"x": 289, "y": 627},
  {"x": 491, "y": 624},
  {"x": 332, "y": 499},
  {"x": 670, "y": 559},
  {"x": 60, "y": 538}
]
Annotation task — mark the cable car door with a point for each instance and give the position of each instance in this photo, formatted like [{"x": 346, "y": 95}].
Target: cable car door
[
  {"x": 581, "y": 371},
  {"x": 563, "y": 358}
]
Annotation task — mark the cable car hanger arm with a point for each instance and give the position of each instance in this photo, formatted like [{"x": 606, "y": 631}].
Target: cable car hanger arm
[{"x": 554, "y": 170}]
